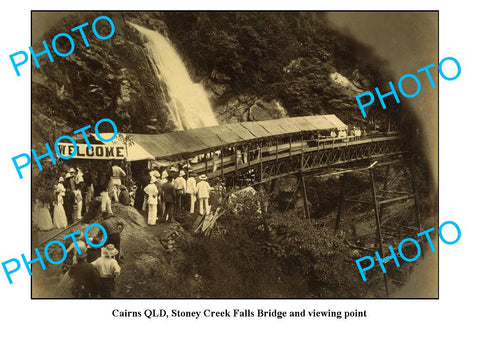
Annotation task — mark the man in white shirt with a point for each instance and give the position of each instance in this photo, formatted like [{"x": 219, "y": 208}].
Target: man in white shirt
[
  {"x": 152, "y": 201},
  {"x": 203, "y": 193},
  {"x": 108, "y": 269},
  {"x": 190, "y": 190},
  {"x": 117, "y": 175}
]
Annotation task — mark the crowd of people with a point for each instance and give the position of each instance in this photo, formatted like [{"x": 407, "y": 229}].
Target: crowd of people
[
  {"x": 67, "y": 197},
  {"x": 163, "y": 191},
  {"x": 160, "y": 191}
]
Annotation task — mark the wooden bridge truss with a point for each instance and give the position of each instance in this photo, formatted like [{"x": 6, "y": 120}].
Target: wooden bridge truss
[{"x": 265, "y": 163}]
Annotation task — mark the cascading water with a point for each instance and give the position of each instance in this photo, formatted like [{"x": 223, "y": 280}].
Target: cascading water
[{"x": 189, "y": 105}]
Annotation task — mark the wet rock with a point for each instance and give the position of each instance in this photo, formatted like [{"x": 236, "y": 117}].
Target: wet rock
[
  {"x": 214, "y": 90},
  {"x": 266, "y": 110}
]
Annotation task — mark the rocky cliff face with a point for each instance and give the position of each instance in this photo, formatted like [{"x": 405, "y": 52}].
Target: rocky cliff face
[
  {"x": 111, "y": 78},
  {"x": 252, "y": 69}
]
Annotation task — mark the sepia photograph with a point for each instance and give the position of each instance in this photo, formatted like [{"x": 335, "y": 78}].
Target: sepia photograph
[{"x": 234, "y": 154}]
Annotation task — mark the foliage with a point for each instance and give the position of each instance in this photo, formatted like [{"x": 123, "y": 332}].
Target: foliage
[
  {"x": 46, "y": 196},
  {"x": 282, "y": 255},
  {"x": 44, "y": 181},
  {"x": 283, "y": 55},
  {"x": 242, "y": 210},
  {"x": 126, "y": 139}
]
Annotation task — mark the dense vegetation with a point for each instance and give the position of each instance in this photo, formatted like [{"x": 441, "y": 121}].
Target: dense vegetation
[
  {"x": 283, "y": 55},
  {"x": 272, "y": 255}
]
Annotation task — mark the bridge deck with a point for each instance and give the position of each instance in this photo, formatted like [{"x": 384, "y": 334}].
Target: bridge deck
[{"x": 267, "y": 162}]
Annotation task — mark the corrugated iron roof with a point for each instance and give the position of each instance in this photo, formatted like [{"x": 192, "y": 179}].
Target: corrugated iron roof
[{"x": 180, "y": 144}]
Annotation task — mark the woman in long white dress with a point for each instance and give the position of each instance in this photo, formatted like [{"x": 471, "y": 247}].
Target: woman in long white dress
[
  {"x": 59, "y": 216},
  {"x": 44, "y": 219}
]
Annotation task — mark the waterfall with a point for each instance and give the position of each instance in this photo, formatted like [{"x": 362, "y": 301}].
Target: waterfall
[{"x": 189, "y": 105}]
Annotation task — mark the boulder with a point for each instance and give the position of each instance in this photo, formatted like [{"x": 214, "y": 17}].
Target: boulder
[{"x": 266, "y": 110}]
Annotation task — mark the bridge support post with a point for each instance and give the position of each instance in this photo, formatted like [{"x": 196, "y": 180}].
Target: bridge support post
[
  {"x": 305, "y": 198},
  {"x": 414, "y": 191},
  {"x": 237, "y": 159},
  {"x": 378, "y": 222},
  {"x": 340, "y": 204},
  {"x": 384, "y": 190},
  {"x": 261, "y": 161},
  {"x": 222, "y": 151},
  {"x": 206, "y": 165}
]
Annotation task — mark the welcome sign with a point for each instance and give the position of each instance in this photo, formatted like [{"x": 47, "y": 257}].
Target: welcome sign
[{"x": 95, "y": 152}]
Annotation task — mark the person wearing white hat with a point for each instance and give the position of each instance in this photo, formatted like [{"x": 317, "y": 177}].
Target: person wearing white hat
[
  {"x": 77, "y": 209},
  {"x": 113, "y": 226},
  {"x": 152, "y": 201},
  {"x": 154, "y": 173},
  {"x": 108, "y": 270},
  {"x": 59, "y": 188},
  {"x": 59, "y": 216},
  {"x": 203, "y": 193},
  {"x": 180, "y": 186},
  {"x": 190, "y": 190},
  {"x": 80, "y": 185},
  {"x": 70, "y": 179}
]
